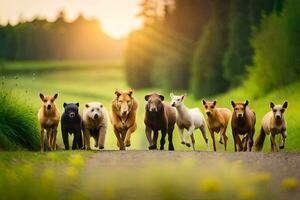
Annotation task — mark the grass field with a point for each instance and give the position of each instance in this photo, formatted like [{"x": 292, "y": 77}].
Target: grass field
[
  {"x": 140, "y": 174},
  {"x": 96, "y": 81}
]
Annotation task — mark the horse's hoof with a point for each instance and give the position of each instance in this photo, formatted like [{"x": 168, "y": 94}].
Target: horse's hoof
[
  {"x": 152, "y": 147},
  {"x": 221, "y": 142},
  {"x": 281, "y": 147},
  {"x": 182, "y": 142},
  {"x": 171, "y": 148},
  {"x": 188, "y": 144},
  {"x": 101, "y": 147},
  {"x": 128, "y": 145},
  {"x": 122, "y": 148}
]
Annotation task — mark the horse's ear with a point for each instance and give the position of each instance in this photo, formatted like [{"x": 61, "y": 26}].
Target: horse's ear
[
  {"x": 42, "y": 96},
  {"x": 203, "y": 101},
  {"x": 77, "y": 104},
  {"x": 232, "y": 103},
  {"x": 171, "y": 95},
  {"x": 183, "y": 96},
  {"x": 215, "y": 102},
  {"x": 246, "y": 103},
  {"x": 55, "y": 96},
  {"x": 130, "y": 92},
  {"x": 285, "y": 105},
  {"x": 117, "y": 92},
  {"x": 272, "y": 105},
  {"x": 147, "y": 97},
  {"x": 87, "y": 105},
  {"x": 65, "y": 104},
  {"x": 161, "y": 97}
]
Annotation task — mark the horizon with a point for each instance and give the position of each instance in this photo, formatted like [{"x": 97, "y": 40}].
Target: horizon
[{"x": 117, "y": 18}]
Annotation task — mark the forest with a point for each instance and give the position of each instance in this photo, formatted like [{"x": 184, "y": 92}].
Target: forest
[
  {"x": 210, "y": 47},
  {"x": 39, "y": 39}
]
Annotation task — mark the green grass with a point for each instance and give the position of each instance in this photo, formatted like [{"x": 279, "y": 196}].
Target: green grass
[
  {"x": 70, "y": 175},
  {"x": 96, "y": 81},
  {"x": 18, "y": 127}
]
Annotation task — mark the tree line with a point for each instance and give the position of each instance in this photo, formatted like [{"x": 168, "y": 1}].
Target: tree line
[
  {"x": 40, "y": 39},
  {"x": 209, "y": 47}
]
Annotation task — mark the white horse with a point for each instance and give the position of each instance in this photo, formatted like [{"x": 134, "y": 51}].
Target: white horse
[{"x": 189, "y": 119}]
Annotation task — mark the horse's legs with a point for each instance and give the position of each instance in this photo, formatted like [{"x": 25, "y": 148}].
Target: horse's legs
[
  {"x": 87, "y": 136},
  {"x": 251, "y": 139},
  {"x": 49, "y": 138},
  {"x": 245, "y": 142},
  {"x": 203, "y": 131},
  {"x": 193, "y": 141},
  {"x": 274, "y": 142},
  {"x": 283, "y": 137},
  {"x": 272, "y": 145},
  {"x": 128, "y": 135},
  {"x": 180, "y": 130},
  {"x": 238, "y": 142},
  {"x": 42, "y": 140},
  {"x": 223, "y": 135},
  {"x": 54, "y": 133},
  {"x": 170, "y": 138},
  {"x": 213, "y": 139},
  {"x": 153, "y": 146},
  {"x": 162, "y": 140},
  {"x": 234, "y": 142},
  {"x": 190, "y": 132}
]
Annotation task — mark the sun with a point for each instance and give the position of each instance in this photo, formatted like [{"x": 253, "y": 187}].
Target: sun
[{"x": 119, "y": 28}]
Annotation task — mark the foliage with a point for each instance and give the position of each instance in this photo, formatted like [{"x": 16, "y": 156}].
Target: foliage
[
  {"x": 164, "y": 46},
  {"x": 276, "y": 45},
  {"x": 18, "y": 124},
  {"x": 244, "y": 15},
  {"x": 43, "y": 40},
  {"x": 207, "y": 72}
]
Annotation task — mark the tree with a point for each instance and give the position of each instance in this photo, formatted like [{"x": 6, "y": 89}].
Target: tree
[{"x": 207, "y": 69}]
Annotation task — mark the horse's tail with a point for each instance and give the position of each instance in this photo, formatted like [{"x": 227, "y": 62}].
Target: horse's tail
[{"x": 259, "y": 142}]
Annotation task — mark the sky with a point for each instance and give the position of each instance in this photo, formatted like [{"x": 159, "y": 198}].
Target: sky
[{"x": 118, "y": 17}]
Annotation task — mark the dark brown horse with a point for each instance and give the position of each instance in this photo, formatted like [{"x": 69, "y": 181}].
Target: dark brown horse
[
  {"x": 243, "y": 123},
  {"x": 159, "y": 117}
]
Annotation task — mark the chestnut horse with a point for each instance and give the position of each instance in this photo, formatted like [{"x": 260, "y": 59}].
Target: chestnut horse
[{"x": 123, "y": 117}]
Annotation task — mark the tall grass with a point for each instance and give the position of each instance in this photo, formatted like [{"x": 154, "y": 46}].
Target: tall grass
[{"x": 18, "y": 124}]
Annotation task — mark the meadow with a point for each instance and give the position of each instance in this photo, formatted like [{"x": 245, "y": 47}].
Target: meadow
[
  {"x": 86, "y": 81},
  {"x": 112, "y": 174}
]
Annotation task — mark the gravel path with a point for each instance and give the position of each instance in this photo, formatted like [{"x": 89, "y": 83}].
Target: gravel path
[{"x": 279, "y": 165}]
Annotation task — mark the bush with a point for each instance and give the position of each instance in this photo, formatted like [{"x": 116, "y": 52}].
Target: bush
[
  {"x": 207, "y": 67},
  {"x": 277, "y": 47},
  {"x": 170, "y": 72},
  {"x": 18, "y": 124}
]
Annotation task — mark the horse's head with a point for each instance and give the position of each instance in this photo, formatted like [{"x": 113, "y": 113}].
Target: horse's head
[
  {"x": 209, "y": 107},
  {"x": 177, "y": 99},
  {"x": 124, "y": 101},
  {"x": 239, "y": 108},
  {"x": 48, "y": 101},
  {"x": 154, "y": 102},
  {"x": 278, "y": 110}
]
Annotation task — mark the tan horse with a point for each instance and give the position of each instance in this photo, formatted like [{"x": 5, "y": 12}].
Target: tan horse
[
  {"x": 273, "y": 122},
  {"x": 123, "y": 117},
  {"x": 217, "y": 121},
  {"x": 48, "y": 117}
]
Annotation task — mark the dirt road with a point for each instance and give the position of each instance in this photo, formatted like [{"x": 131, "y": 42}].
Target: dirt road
[{"x": 278, "y": 166}]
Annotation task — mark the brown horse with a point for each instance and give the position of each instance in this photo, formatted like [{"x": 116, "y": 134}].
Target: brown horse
[
  {"x": 243, "y": 123},
  {"x": 48, "y": 117},
  {"x": 123, "y": 117},
  {"x": 159, "y": 117},
  {"x": 217, "y": 121}
]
